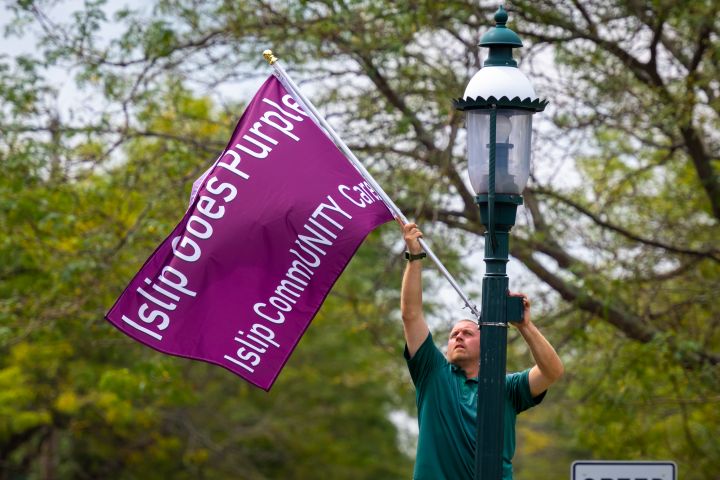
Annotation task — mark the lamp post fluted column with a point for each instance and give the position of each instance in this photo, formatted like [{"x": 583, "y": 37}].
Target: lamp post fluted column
[{"x": 497, "y": 307}]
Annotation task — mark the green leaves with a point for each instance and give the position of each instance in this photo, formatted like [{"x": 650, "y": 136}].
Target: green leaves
[{"x": 159, "y": 40}]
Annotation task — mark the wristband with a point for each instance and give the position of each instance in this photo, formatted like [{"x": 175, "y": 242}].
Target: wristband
[{"x": 414, "y": 256}]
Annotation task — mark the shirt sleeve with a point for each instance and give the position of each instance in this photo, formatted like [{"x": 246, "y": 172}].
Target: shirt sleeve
[
  {"x": 517, "y": 386},
  {"x": 427, "y": 359}
]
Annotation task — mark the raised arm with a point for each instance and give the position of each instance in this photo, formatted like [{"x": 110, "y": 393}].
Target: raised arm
[
  {"x": 549, "y": 368},
  {"x": 414, "y": 325}
]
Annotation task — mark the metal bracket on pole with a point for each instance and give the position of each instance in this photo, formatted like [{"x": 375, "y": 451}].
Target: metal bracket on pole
[
  {"x": 318, "y": 118},
  {"x": 515, "y": 311}
]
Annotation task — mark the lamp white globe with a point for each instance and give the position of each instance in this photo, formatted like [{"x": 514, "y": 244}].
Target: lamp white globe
[{"x": 500, "y": 82}]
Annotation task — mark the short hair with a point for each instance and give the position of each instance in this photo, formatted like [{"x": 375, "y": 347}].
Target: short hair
[{"x": 463, "y": 320}]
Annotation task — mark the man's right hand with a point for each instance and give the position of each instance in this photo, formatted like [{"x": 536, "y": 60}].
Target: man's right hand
[{"x": 411, "y": 234}]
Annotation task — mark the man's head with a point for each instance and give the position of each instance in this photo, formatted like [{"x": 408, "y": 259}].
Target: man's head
[{"x": 464, "y": 345}]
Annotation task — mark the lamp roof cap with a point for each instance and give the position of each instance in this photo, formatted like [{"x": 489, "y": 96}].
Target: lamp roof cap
[{"x": 500, "y": 34}]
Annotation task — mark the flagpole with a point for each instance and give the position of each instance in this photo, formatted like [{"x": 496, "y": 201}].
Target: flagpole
[{"x": 273, "y": 61}]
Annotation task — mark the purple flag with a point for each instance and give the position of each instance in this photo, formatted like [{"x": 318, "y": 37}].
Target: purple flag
[{"x": 271, "y": 226}]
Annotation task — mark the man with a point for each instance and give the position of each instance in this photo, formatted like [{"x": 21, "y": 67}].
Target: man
[{"x": 446, "y": 390}]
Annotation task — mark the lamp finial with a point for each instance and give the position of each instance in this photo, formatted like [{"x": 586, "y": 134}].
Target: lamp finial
[{"x": 501, "y": 17}]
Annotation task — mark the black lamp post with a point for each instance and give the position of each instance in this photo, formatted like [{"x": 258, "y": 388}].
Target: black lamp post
[{"x": 500, "y": 102}]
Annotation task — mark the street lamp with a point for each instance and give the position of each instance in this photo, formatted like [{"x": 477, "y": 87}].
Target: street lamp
[{"x": 499, "y": 103}]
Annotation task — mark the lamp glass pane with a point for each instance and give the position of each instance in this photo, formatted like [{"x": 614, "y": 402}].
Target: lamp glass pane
[{"x": 512, "y": 152}]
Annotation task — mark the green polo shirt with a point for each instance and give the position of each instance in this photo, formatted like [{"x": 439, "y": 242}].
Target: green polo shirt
[{"x": 447, "y": 415}]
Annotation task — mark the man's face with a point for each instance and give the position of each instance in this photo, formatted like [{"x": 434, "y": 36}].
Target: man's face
[{"x": 464, "y": 344}]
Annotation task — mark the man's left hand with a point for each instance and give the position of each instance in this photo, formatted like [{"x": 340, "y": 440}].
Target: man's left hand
[{"x": 526, "y": 310}]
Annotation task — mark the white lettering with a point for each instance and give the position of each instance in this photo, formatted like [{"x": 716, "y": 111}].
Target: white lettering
[
  {"x": 225, "y": 186},
  {"x": 254, "y": 347},
  {"x": 290, "y": 102},
  {"x": 295, "y": 271},
  {"x": 192, "y": 257},
  {"x": 140, "y": 328},
  {"x": 153, "y": 316},
  {"x": 289, "y": 287},
  {"x": 166, "y": 306},
  {"x": 233, "y": 166},
  {"x": 205, "y": 205},
  {"x": 236, "y": 362},
  {"x": 311, "y": 241},
  {"x": 256, "y": 130},
  {"x": 179, "y": 285},
  {"x": 206, "y": 233},
  {"x": 280, "y": 304},
  {"x": 364, "y": 196},
  {"x": 264, "y": 149},
  {"x": 333, "y": 207},
  {"x": 265, "y": 333},
  {"x": 343, "y": 190},
  {"x": 159, "y": 289},
  {"x": 285, "y": 128},
  {"x": 258, "y": 306},
  {"x": 280, "y": 109},
  {"x": 314, "y": 263}
]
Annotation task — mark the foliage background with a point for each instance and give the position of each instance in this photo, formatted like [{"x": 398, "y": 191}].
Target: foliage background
[{"x": 618, "y": 240}]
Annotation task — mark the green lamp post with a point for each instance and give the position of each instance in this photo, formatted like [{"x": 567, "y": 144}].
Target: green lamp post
[{"x": 499, "y": 103}]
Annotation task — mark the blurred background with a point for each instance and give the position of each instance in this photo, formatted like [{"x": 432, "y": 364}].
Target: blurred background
[{"x": 109, "y": 110}]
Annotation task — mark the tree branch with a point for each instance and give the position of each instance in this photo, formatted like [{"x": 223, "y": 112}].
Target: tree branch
[
  {"x": 710, "y": 253},
  {"x": 628, "y": 323}
]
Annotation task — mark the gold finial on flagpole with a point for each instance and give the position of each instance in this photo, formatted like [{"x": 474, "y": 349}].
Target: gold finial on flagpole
[{"x": 270, "y": 57}]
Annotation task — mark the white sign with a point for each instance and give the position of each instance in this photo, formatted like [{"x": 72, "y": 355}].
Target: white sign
[{"x": 620, "y": 470}]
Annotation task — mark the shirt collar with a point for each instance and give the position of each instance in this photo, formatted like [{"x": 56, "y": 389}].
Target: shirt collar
[{"x": 461, "y": 373}]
